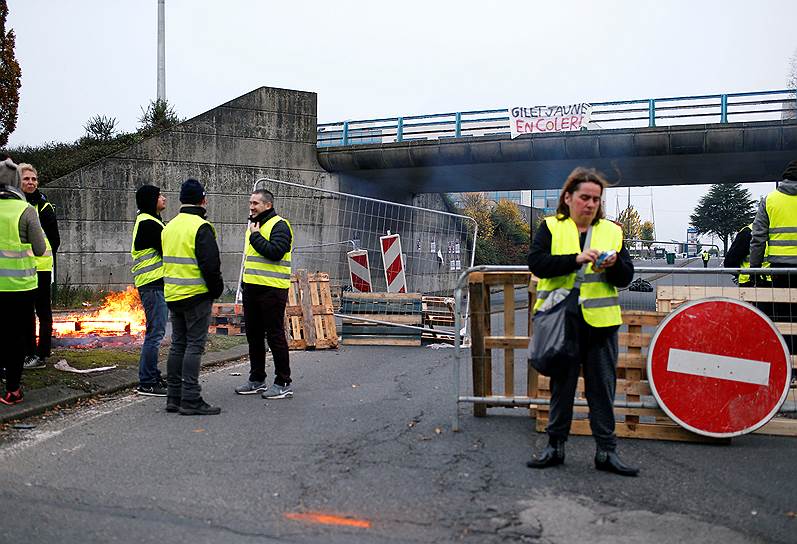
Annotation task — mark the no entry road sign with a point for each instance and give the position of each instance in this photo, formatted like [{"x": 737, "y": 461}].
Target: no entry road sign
[{"x": 719, "y": 367}]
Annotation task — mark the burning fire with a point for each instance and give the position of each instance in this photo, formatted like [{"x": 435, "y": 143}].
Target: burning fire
[{"x": 121, "y": 313}]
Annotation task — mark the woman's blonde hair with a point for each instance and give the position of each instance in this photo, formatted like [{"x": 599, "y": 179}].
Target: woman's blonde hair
[{"x": 573, "y": 182}]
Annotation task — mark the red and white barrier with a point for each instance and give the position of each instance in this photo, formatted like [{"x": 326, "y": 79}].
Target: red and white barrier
[
  {"x": 359, "y": 271},
  {"x": 393, "y": 263}
]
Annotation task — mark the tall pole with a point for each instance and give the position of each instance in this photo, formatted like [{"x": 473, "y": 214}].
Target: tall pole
[{"x": 161, "y": 50}]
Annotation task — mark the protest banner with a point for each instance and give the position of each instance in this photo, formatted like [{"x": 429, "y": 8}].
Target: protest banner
[{"x": 543, "y": 119}]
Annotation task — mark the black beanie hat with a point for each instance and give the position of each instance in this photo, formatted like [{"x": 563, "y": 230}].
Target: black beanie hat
[
  {"x": 191, "y": 192},
  {"x": 147, "y": 198},
  {"x": 791, "y": 171}
]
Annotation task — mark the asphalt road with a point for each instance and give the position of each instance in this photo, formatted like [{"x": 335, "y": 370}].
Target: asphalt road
[{"x": 368, "y": 438}]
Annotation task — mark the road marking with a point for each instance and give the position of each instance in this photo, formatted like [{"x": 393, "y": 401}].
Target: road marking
[
  {"x": 328, "y": 519},
  {"x": 720, "y": 367}
]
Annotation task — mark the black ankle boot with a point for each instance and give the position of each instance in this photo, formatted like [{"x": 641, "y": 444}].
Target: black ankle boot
[
  {"x": 610, "y": 462},
  {"x": 198, "y": 408},
  {"x": 553, "y": 454},
  {"x": 173, "y": 404}
]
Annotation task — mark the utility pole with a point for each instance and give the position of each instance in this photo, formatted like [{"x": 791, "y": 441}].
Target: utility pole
[{"x": 161, "y": 51}]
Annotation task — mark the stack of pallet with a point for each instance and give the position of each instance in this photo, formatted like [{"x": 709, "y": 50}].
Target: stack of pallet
[
  {"x": 361, "y": 309},
  {"x": 309, "y": 315},
  {"x": 438, "y": 312},
  {"x": 227, "y": 319}
]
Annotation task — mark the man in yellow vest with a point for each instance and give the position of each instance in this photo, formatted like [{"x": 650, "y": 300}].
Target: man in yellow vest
[
  {"x": 266, "y": 281},
  {"x": 36, "y": 355},
  {"x": 775, "y": 234},
  {"x": 705, "y": 255},
  {"x": 192, "y": 279},
  {"x": 21, "y": 238},
  {"x": 147, "y": 254}
]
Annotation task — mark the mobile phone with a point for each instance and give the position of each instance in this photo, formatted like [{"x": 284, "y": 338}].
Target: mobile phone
[{"x": 603, "y": 256}]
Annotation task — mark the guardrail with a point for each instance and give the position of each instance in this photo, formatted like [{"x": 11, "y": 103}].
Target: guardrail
[{"x": 650, "y": 112}]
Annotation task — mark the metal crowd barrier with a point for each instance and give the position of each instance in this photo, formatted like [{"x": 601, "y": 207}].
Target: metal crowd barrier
[{"x": 669, "y": 289}]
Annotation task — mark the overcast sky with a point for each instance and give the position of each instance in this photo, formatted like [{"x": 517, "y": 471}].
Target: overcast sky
[{"x": 369, "y": 59}]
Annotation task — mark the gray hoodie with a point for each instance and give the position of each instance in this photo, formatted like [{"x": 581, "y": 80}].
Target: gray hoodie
[{"x": 761, "y": 230}]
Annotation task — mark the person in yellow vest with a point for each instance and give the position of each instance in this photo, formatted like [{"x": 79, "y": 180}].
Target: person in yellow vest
[
  {"x": 774, "y": 237},
  {"x": 738, "y": 256},
  {"x": 36, "y": 354},
  {"x": 265, "y": 285},
  {"x": 146, "y": 251},
  {"x": 705, "y": 256},
  {"x": 191, "y": 279},
  {"x": 577, "y": 235},
  {"x": 21, "y": 239}
]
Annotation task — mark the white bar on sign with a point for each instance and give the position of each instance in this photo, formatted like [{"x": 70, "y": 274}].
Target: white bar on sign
[{"x": 718, "y": 366}]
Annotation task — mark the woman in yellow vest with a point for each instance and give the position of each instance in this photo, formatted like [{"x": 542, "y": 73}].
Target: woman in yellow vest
[
  {"x": 558, "y": 251},
  {"x": 21, "y": 239},
  {"x": 36, "y": 354}
]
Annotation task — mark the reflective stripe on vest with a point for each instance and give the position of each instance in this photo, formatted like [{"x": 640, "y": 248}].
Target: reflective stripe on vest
[
  {"x": 600, "y": 304},
  {"x": 261, "y": 271},
  {"x": 147, "y": 263},
  {"x": 181, "y": 275},
  {"x": 45, "y": 262},
  {"x": 17, "y": 264},
  {"x": 782, "y": 242}
]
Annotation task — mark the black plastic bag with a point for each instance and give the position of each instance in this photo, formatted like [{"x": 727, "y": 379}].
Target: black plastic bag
[{"x": 554, "y": 345}]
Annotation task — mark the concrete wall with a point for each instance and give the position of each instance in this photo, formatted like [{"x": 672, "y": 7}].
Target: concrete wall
[{"x": 267, "y": 132}]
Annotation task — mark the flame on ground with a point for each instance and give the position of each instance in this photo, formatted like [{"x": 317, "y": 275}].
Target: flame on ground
[{"x": 121, "y": 313}]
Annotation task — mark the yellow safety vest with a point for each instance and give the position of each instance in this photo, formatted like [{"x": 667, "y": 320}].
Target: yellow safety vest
[
  {"x": 44, "y": 263},
  {"x": 147, "y": 263},
  {"x": 599, "y": 302},
  {"x": 17, "y": 264},
  {"x": 744, "y": 278},
  {"x": 181, "y": 275},
  {"x": 261, "y": 271},
  {"x": 782, "y": 211}
]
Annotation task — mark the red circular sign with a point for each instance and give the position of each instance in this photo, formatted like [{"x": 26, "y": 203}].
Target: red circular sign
[{"x": 719, "y": 367}]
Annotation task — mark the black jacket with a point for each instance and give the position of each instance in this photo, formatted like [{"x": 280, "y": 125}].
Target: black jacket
[
  {"x": 208, "y": 260},
  {"x": 544, "y": 265},
  {"x": 279, "y": 243},
  {"x": 46, "y": 218}
]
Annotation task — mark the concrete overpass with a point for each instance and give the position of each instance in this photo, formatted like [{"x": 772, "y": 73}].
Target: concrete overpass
[{"x": 648, "y": 156}]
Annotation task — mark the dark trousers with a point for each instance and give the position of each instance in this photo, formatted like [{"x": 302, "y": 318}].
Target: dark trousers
[
  {"x": 44, "y": 312},
  {"x": 15, "y": 316},
  {"x": 264, "y": 314},
  {"x": 598, "y": 359},
  {"x": 189, "y": 334}
]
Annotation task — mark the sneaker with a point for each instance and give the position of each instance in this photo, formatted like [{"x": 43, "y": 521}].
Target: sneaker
[
  {"x": 278, "y": 392},
  {"x": 12, "y": 397},
  {"x": 250, "y": 388},
  {"x": 198, "y": 408},
  {"x": 33, "y": 362},
  {"x": 155, "y": 390}
]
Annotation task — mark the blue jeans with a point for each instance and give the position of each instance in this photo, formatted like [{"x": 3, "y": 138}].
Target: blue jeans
[
  {"x": 189, "y": 334},
  {"x": 156, "y": 313}
]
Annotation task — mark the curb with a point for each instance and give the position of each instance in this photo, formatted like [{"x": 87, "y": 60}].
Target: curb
[{"x": 39, "y": 401}]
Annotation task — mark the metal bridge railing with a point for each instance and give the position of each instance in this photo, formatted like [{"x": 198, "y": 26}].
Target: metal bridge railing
[{"x": 648, "y": 112}]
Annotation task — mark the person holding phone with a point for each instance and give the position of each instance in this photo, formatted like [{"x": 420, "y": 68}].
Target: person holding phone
[{"x": 558, "y": 251}]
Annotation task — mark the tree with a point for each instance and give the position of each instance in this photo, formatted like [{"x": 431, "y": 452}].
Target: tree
[
  {"x": 476, "y": 206},
  {"x": 646, "y": 232},
  {"x": 632, "y": 223},
  {"x": 725, "y": 209},
  {"x": 158, "y": 116},
  {"x": 790, "y": 104},
  {"x": 100, "y": 128},
  {"x": 10, "y": 78}
]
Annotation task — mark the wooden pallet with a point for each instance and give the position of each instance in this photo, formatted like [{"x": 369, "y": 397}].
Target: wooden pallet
[
  {"x": 227, "y": 319},
  {"x": 396, "y": 308},
  {"x": 227, "y": 330},
  {"x": 309, "y": 316}
]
